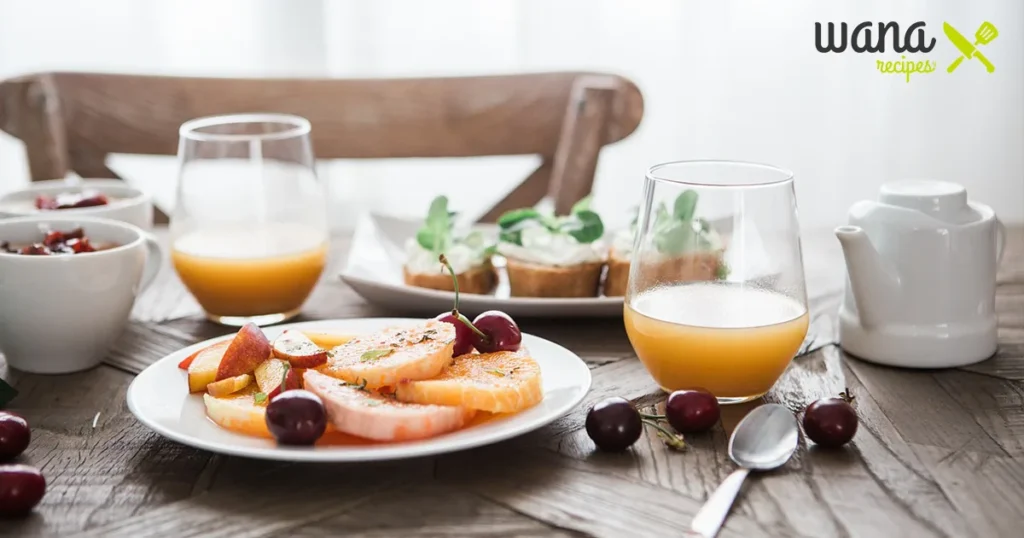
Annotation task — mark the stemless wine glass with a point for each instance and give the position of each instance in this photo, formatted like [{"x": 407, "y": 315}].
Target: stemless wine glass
[
  {"x": 716, "y": 297},
  {"x": 249, "y": 229}
]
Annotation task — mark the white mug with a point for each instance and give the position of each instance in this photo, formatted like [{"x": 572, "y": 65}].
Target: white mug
[{"x": 62, "y": 313}]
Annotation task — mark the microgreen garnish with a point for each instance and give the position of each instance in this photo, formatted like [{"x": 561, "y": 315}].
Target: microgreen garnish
[
  {"x": 284, "y": 375},
  {"x": 581, "y": 223},
  {"x": 679, "y": 232},
  {"x": 259, "y": 397},
  {"x": 496, "y": 372},
  {"x": 374, "y": 354},
  {"x": 437, "y": 233},
  {"x": 358, "y": 386}
]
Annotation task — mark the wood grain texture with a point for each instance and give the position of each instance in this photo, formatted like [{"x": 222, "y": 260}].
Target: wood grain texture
[{"x": 937, "y": 453}]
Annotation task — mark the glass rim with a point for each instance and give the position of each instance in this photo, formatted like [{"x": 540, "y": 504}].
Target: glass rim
[
  {"x": 190, "y": 130},
  {"x": 784, "y": 176}
]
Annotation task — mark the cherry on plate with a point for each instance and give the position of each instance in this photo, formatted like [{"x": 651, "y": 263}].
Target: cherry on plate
[
  {"x": 614, "y": 424},
  {"x": 500, "y": 332},
  {"x": 296, "y": 417},
  {"x": 463, "y": 334},
  {"x": 14, "y": 435},
  {"x": 21, "y": 488},
  {"x": 690, "y": 411}
]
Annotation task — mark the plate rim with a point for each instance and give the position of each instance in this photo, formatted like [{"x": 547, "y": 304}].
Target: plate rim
[
  {"x": 600, "y": 300},
  {"x": 390, "y": 453}
]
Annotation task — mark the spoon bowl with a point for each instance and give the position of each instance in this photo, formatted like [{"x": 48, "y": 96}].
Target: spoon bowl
[{"x": 765, "y": 439}]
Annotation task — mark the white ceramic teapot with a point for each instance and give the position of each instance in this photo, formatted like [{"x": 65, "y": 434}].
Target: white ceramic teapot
[{"x": 921, "y": 265}]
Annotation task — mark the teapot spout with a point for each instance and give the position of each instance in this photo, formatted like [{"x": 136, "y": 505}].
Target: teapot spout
[{"x": 875, "y": 284}]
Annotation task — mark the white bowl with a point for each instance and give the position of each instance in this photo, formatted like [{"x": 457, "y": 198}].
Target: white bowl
[
  {"x": 131, "y": 205},
  {"x": 62, "y": 313}
]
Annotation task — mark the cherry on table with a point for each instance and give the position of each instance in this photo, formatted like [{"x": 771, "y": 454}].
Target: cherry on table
[
  {"x": 614, "y": 424},
  {"x": 21, "y": 489},
  {"x": 831, "y": 422},
  {"x": 691, "y": 411},
  {"x": 14, "y": 435}
]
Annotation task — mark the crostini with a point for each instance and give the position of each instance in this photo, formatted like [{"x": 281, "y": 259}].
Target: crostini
[
  {"x": 682, "y": 248},
  {"x": 470, "y": 255},
  {"x": 553, "y": 256}
]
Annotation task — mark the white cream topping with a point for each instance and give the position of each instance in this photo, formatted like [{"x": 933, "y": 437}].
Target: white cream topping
[
  {"x": 462, "y": 256},
  {"x": 542, "y": 247}
]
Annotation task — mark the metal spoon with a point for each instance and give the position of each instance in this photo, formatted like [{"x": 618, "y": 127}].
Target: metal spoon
[{"x": 765, "y": 439}]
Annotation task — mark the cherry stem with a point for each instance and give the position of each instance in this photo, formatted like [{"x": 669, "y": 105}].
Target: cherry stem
[
  {"x": 455, "y": 310},
  {"x": 652, "y": 417},
  {"x": 672, "y": 439}
]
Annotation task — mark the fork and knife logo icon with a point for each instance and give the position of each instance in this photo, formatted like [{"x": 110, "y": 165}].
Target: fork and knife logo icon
[{"x": 985, "y": 34}]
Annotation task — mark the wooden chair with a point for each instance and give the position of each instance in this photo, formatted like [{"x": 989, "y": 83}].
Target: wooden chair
[{"x": 72, "y": 121}]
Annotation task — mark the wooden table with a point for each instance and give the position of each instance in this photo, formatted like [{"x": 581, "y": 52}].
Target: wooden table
[{"x": 938, "y": 453}]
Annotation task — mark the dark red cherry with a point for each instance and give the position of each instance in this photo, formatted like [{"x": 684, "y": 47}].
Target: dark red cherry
[
  {"x": 463, "y": 334},
  {"x": 500, "y": 332}
]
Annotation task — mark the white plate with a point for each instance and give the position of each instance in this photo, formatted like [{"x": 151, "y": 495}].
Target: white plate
[
  {"x": 374, "y": 270},
  {"x": 159, "y": 398}
]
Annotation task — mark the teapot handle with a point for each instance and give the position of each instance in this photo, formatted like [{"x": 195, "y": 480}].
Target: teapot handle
[{"x": 1001, "y": 241}]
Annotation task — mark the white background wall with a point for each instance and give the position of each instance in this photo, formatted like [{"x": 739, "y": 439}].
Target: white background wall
[{"x": 728, "y": 79}]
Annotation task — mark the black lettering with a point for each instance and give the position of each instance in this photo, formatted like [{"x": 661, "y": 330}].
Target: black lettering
[
  {"x": 831, "y": 38},
  {"x": 863, "y": 30},
  {"x": 882, "y": 30},
  {"x": 920, "y": 46}
]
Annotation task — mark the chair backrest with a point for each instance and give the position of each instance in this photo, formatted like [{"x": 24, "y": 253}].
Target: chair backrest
[{"x": 72, "y": 121}]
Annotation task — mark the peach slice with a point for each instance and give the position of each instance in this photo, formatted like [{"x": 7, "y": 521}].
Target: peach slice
[
  {"x": 271, "y": 372},
  {"x": 238, "y": 412},
  {"x": 229, "y": 385},
  {"x": 248, "y": 349},
  {"x": 203, "y": 368},
  {"x": 328, "y": 340},
  {"x": 296, "y": 348}
]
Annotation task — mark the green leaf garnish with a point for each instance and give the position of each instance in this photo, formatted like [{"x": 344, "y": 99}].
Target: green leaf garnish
[
  {"x": 582, "y": 223},
  {"x": 685, "y": 205},
  {"x": 496, "y": 372},
  {"x": 7, "y": 393},
  {"x": 511, "y": 218},
  {"x": 374, "y": 354},
  {"x": 722, "y": 272},
  {"x": 587, "y": 228},
  {"x": 435, "y": 235},
  {"x": 284, "y": 374},
  {"x": 358, "y": 386},
  {"x": 259, "y": 397}
]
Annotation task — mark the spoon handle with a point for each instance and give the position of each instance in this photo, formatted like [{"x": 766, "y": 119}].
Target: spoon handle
[{"x": 711, "y": 516}]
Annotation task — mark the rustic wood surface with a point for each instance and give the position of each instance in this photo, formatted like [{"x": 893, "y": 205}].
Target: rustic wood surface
[
  {"x": 73, "y": 121},
  {"x": 939, "y": 453}
]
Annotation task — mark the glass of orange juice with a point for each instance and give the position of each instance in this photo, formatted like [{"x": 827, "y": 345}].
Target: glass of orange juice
[
  {"x": 716, "y": 297},
  {"x": 249, "y": 230}
]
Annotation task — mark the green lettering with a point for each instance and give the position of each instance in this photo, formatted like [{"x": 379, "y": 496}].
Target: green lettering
[
  {"x": 897, "y": 67},
  {"x": 888, "y": 67}
]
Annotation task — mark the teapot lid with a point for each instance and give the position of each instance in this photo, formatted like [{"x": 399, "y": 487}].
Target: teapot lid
[{"x": 942, "y": 200}]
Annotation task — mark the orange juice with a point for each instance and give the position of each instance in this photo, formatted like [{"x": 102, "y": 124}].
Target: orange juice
[
  {"x": 733, "y": 341},
  {"x": 255, "y": 271}
]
